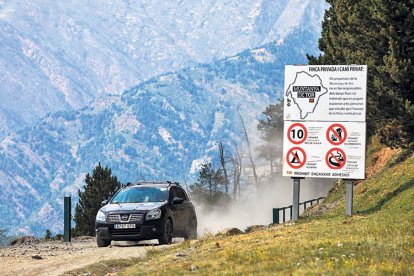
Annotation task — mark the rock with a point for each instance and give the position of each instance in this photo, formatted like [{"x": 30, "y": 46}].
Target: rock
[
  {"x": 194, "y": 242},
  {"x": 230, "y": 231},
  {"x": 37, "y": 257},
  {"x": 254, "y": 228},
  {"x": 180, "y": 255},
  {"x": 83, "y": 239},
  {"x": 26, "y": 240}
]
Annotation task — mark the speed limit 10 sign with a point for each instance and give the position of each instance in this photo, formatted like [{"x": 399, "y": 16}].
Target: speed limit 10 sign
[
  {"x": 324, "y": 149},
  {"x": 297, "y": 133}
]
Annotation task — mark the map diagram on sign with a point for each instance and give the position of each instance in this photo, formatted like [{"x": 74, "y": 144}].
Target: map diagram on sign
[{"x": 306, "y": 91}]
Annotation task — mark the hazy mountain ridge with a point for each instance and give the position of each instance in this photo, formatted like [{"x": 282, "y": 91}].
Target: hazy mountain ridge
[
  {"x": 159, "y": 129},
  {"x": 60, "y": 55}
]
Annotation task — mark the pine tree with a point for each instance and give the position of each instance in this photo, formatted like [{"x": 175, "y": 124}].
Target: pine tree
[
  {"x": 210, "y": 178},
  {"x": 209, "y": 187},
  {"x": 271, "y": 127},
  {"x": 378, "y": 33},
  {"x": 48, "y": 234},
  {"x": 100, "y": 186}
]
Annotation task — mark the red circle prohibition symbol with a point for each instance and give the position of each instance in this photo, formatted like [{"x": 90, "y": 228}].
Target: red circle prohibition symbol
[
  {"x": 294, "y": 159},
  {"x": 335, "y": 158},
  {"x": 296, "y": 133},
  {"x": 336, "y": 134}
]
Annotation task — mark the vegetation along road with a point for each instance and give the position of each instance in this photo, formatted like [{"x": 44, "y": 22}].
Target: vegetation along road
[{"x": 34, "y": 257}]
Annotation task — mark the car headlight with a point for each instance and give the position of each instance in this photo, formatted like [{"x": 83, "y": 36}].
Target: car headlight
[
  {"x": 153, "y": 214},
  {"x": 100, "y": 216}
]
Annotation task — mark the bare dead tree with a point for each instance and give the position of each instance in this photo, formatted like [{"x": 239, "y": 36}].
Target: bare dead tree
[
  {"x": 223, "y": 165},
  {"x": 184, "y": 177},
  {"x": 256, "y": 178},
  {"x": 237, "y": 160}
]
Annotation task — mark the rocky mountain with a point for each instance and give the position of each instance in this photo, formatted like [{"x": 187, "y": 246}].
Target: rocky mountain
[
  {"x": 60, "y": 55},
  {"x": 163, "y": 128}
]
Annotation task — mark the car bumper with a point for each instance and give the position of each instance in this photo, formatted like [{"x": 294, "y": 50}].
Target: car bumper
[{"x": 146, "y": 231}]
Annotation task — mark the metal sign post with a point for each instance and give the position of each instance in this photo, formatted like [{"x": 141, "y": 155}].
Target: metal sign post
[
  {"x": 324, "y": 114},
  {"x": 296, "y": 193},
  {"x": 349, "y": 197},
  {"x": 67, "y": 219}
]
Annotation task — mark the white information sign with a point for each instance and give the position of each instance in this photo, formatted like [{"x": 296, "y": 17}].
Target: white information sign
[
  {"x": 324, "y": 121},
  {"x": 325, "y": 93},
  {"x": 324, "y": 149}
]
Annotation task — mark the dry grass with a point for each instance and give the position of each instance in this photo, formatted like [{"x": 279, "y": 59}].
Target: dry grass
[{"x": 378, "y": 239}]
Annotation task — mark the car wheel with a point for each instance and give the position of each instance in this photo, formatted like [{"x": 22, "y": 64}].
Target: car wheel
[
  {"x": 102, "y": 242},
  {"x": 191, "y": 231},
  {"x": 167, "y": 235}
]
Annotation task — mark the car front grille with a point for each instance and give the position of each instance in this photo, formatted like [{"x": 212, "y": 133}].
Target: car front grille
[
  {"x": 136, "y": 217},
  {"x": 114, "y": 218},
  {"x": 125, "y": 232}
]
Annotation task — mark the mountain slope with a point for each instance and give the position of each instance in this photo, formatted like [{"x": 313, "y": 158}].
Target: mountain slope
[
  {"x": 58, "y": 55},
  {"x": 160, "y": 129},
  {"x": 377, "y": 239}
]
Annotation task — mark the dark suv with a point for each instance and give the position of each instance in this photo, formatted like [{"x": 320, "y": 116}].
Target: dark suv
[{"x": 144, "y": 211}]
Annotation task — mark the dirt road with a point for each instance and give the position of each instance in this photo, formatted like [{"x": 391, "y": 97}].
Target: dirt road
[{"x": 56, "y": 257}]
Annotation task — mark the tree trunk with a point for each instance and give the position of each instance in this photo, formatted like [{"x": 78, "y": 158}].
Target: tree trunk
[
  {"x": 256, "y": 179},
  {"x": 237, "y": 169},
  {"x": 223, "y": 165},
  {"x": 210, "y": 188}
]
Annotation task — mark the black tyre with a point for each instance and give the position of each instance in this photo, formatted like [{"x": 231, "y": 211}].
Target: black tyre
[
  {"x": 102, "y": 242},
  {"x": 167, "y": 235},
  {"x": 191, "y": 231}
]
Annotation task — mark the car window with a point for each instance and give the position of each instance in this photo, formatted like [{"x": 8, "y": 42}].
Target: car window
[
  {"x": 141, "y": 194},
  {"x": 180, "y": 193},
  {"x": 173, "y": 193}
]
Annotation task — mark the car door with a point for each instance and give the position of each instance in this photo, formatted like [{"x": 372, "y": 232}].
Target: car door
[
  {"x": 177, "y": 211},
  {"x": 186, "y": 207}
]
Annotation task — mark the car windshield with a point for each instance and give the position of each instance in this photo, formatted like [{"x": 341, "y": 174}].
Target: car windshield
[{"x": 141, "y": 194}]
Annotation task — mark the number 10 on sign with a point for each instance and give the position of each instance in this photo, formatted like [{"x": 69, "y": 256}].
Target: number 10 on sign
[{"x": 297, "y": 133}]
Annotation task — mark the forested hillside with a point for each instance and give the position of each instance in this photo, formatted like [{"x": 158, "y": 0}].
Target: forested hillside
[
  {"x": 164, "y": 128},
  {"x": 62, "y": 55},
  {"x": 378, "y": 33}
]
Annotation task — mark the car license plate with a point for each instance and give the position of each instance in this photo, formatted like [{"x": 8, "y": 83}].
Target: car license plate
[{"x": 124, "y": 226}]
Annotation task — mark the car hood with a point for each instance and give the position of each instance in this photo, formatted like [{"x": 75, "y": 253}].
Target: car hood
[{"x": 144, "y": 206}]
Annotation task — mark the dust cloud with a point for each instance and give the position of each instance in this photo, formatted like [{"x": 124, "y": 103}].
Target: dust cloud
[{"x": 256, "y": 208}]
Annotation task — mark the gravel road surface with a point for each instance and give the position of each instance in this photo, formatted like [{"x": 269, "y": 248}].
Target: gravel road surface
[{"x": 34, "y": 257}]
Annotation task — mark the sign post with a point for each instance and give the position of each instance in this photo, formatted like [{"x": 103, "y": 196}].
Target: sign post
[
  {"x": 296, "y": 193},
  {"x": 67, "y": 219},
  {"x": 349, "y": 197},
  {"x": 324, "y": 125}
]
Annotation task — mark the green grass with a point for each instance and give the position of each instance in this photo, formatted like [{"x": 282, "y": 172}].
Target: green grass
[{"x": 377, "y": 240}]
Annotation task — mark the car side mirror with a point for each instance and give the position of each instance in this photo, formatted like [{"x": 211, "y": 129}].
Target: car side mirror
[
  {"x": 103, "y": 203},
  {"x": 178, "y": 200}
]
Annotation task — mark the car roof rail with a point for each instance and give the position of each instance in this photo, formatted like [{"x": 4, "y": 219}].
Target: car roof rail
[
  {"x": 175, "y": 183},
  {"x": 151, "y": 182}
]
